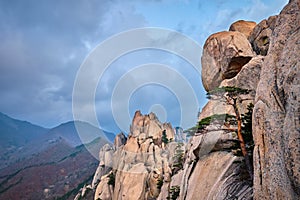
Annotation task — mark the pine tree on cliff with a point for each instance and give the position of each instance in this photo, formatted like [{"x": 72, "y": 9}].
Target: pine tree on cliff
[
  {"x": 247, "y": 130},
  {"x": 164, "y": 137},
  {"x": 233, "y": 96}
]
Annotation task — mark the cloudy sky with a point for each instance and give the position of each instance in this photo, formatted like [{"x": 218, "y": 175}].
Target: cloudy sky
[{"x": 45, "y": 43}]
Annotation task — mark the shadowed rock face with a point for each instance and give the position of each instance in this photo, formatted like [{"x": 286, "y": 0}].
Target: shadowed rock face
[
  {"x": 248, "y": 77},
  {"x": 235, "y": 66},
  {"x": 120, "y": 140},
  {"x": 260, "y": 36},
  {"x": 277, "y": 110}
]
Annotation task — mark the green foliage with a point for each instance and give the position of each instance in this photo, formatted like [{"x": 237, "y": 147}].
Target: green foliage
[
  {"x": 191, "y": 131},
  {"x": 247, "y": 122},
  {"x": 228, "y": 90},
  {"x": 216, "y": 118},
  {"x": 233, "y": 96},
  {"x": 174, "y": 192},
  {"x": 160, "y": 183},
  {"x": 247, "y": 129},
  {"x": 265, "y": 40},
  {"x": 164, "y": 138},
  {"x": 178, "y": 158},
  {"x": 112, "y": 179}
]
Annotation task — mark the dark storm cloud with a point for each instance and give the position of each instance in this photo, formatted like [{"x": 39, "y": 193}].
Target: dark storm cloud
[{"x": 43, "y": 45}]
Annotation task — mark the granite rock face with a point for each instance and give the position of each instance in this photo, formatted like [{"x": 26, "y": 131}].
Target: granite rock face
[
  {"x": 120, "y": 140},
  {"x": 277, "y": 110},
  {"x": 225, "y": 183},
  {"x": 105, "y": 164},
  {"x": 104, "y": 189},
  {"x": 211, "y": 170},
  {"x": 247, "y": 78},
  {"x": 243, "y": 26},
  {"x": 133, "y": 168},
  {"x": 224, "y": 55},
  {"x": 260, "y": 36}
]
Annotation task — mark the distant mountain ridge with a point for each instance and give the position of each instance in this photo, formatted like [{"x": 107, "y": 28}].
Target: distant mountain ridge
[
  {"x": 55, "y": 161},
  {"x": 14, "y": 132},
  {"x": 69, "y": 132},
  {"x": 17, "y": 132},
  {"x": 19, "y": 139}
]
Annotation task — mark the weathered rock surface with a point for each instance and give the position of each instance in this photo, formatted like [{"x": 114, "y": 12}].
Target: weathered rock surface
[
  {"x": 243, "y": 26},
  {"x": 260, "y": 36},
  {"x": 209, "y": 172},
  {"x": 249, "y": 75},
  {"x": 136, "y": 164},
  {"x": 105, "y": 164},
  {"x": 209, "y": 179},
  {"x": 120, "y": 140},
  {"x": 104, "y": 190},
  {"x": 277, "y": 110},
  {"x": 131, "y": 184},
  {"x": 224, "y": 55},
  {"x": 248, "y": 78},
  {"x": 215, "y": 107}
]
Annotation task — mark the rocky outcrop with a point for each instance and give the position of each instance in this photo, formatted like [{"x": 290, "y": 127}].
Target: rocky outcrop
[
  {"x": 211, "y": 169},
  {"x": 104, "y": 189},
  {"x": 120, "y": 140},
  {"x": 131, "y": 184},
  {"x": 134, "y": 166},
  {"x": 248, "y": 78},
  {"x": 276, "y": 113},
  {"x": 260, "y": 36},
  {"x": 105, "y": 164},
  {"x": 243, "y": 26},
  {"x": 224, "y": 55}
]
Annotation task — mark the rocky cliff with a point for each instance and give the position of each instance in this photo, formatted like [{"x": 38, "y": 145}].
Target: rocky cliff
[
  {"x": 261, "y": 58},
  {"x": 276, "y": 112},
  {"x": 133, "y": 167}
]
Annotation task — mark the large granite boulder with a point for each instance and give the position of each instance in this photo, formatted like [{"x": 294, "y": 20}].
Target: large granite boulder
[
  {"x": 243, "y": 26},
  {"x": 277, "y": 110},
  {"x": 247, "y": 78},
  {"x": 131, "y": 184},
  {"x": 224, "y": 55}
]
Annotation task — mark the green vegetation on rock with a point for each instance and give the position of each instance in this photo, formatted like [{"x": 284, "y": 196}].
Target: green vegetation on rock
[
  {"x": 174, "y": 192},
  {"x": 178, "y": 158},
  {"x": 164, "y": 138},
  {"x": 111, "y": 180},
  {"x": 233, "y": 96}
]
